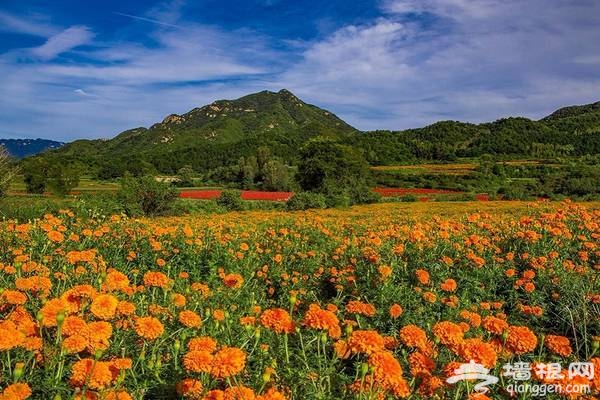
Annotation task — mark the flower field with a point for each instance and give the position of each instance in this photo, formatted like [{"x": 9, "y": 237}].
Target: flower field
[{"x": 376, "y": 302}]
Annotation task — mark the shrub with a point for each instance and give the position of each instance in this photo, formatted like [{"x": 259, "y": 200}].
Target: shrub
[
  {"x": 145, "y": 196},
  {"x": 365, "y": 196},
  {"x": 305, "y": 201},
  {"x": 231, "y": 200},
  {"x": 338, "y": 201}
]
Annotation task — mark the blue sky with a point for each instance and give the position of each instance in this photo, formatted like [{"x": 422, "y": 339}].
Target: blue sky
[{"x": 89, "y": 69}]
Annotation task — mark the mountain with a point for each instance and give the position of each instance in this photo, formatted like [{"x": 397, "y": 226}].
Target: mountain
[
  {"x": 217, "y": 135},
  {"x": 20, "y": 148},
  {"x": 212, "y": 136}
]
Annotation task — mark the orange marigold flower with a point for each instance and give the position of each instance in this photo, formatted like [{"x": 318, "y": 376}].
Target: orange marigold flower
[
  {"x": 529, "y": 287},
  {"x": 430, "y": 385},
  {"x": 413, "y": 336},
  {"x": 449, "y": 333},
  {"x": 396, "y": 311},
  {"x": 214, "y": 395},
  {"x": 51, "y": 310},
  {"x": 429, "y": 297},
  {"x": 366, "y": 341},
  {"x": 387, "y": 372},
  {"x": 239, "y": 393},
  {"x": 202, "y": 343},
  {"x": 520, "y": 339},
  {"x": 227, "y": 362},
  {"x": 178, "y": 300},
  {"x": 156, "y": 279},
  {"x": 94, "y": 374},
  {"x": 190, "y": 319},
  {"x": 420, "y": 364},
  {"x": 449, "y": 285},
  {"x": 278, "y": 320},
  {"x": 198, "y": 361},
  {"x": 104, "y": 306},
  {"x": 16, "y": 391},
  {"x": 14, "y": 297},
  {"x": 494, "y": 325},
  {"x": 422, "y": 276},
  {"x": 219, "y": 315},
  {"x": 478, "y": 351},
  {"x": 75, "y": 344},
  {"x": 272, "y": 394},
  {"x": 559, "y": 345},
  {"x": 248, "y": 320},
  {"x": 341, "y": 349},
  {"x": 73, "y": 325},
  {"x": 317, "y": 318},
  {"x": 234, "y": 281},
  {"x": 125, "y": 308},
  {"x": 472, "y": 318},
  {"x": 10, "y": 336},
  {"x": 116, "y": 280},
  {"x": 149, "y": 327},
  {"x": 190, "y": 388},
  {"x": 358, "y": 307},
  {"x": 99, "y": 333},
  {"x": 385, "y": 271},
  {"x": 117, "y": 395},
  {"x": 56, "y": 236}
]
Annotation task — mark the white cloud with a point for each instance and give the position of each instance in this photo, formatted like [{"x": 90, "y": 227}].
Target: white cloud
[
  {"x": 472, "y": 60},
  {"x": 33, "y": 25},
  {"x": 64, "y": 41}
]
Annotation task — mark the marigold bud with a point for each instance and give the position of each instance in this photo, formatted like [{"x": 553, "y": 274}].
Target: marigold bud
[
  {"x": 18, "y": 371},
  {"x": 364, "y": 368},
  {"x": 60, "y": 317}
]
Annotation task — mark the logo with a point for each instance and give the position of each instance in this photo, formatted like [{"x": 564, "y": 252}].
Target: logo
[
  {"x": 520, "y": 372},
  {"x": 473, "y": 371}
]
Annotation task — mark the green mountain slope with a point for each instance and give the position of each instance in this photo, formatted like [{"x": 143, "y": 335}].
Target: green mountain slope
[
  {"x": 212, "y": 136},
  {"x": 218, "y": 134}
]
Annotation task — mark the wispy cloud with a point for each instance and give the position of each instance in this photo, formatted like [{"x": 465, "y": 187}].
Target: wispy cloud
[
  {"x": 153, "y": 21},
  {"x": 66, "y": 40},
  {"x": 30, "y": 25}
]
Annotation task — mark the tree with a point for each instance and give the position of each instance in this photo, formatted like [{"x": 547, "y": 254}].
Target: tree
[
  {"x": 275, "y": 175},
  {"x": 62, "y": 179},
  {"x": 7, "y": 170},
  {"x": 186, "y": 176},
  {"x": 35, "y": 173},
  {"x": 333, "y": 169},
  {"x": 248, "y": 171},
  {"x": 145, "y": 195}
]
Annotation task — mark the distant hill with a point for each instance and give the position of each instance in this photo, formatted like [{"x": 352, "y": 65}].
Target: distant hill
[
  {"x": 218, "y": 134},
  {"x": 569, "y": 131},
  {"x": 20, "y": 148}
]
